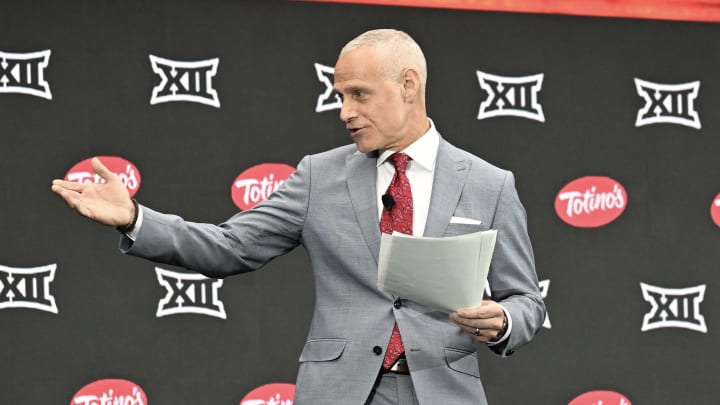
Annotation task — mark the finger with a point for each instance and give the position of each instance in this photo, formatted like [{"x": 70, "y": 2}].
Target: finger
[
  {"x": 489, "y": 328},
  {"x": 63, "y": 191},
  {"x": 475, "y": 313},
  {"x": 70, "y": 196},
  {"x": 69, "y": 185},
  {"x": 100, "y": 169},
  {"x": 487, "y": 309},
  {"x": 489, "y": 323},
  {"x": 460, "y": 316},
  {"x": 479, "y": 334}
]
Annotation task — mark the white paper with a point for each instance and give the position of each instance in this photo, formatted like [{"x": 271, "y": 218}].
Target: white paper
[{"x": 443, "y": 273}]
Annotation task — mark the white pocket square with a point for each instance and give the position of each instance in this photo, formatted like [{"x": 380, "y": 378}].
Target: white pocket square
[{"x": 467, "y": 221}]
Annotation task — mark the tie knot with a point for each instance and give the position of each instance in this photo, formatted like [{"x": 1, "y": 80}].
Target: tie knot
[{"x": 400, "y": 161}]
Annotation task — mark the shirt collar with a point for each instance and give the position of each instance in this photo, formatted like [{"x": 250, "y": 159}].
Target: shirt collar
[{"x": 423, "y": 150}]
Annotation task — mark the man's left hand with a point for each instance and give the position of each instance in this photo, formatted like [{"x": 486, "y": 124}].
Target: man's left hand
[{"x": 485, "y": 322}]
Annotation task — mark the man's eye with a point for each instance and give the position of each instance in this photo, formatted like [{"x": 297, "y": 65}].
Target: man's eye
[{"x": 359, "y": 93}]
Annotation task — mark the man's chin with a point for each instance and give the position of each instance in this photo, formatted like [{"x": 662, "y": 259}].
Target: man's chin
[{"x": 364, "y": 148}]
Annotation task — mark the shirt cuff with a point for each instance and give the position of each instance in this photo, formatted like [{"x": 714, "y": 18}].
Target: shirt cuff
[
  {"x": 507, "y": 332},
  {"x": 132, "y": 235}
]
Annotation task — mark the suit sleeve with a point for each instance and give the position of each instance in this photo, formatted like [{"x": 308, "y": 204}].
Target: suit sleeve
[
  {"x": 513, "y": 280},
  {"x": 243, "y": 243}
]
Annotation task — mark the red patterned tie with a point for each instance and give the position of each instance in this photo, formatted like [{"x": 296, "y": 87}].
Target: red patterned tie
[{"x": 398, "y": 218}]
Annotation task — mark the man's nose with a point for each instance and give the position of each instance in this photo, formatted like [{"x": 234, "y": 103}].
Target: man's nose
[{"x": 347, "y": 112}]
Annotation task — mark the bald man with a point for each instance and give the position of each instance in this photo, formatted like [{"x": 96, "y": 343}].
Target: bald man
[{"x": 398, "y": 175}]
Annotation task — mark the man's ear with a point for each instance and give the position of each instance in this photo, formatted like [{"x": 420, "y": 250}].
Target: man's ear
[{"x": 410, "y": 83}]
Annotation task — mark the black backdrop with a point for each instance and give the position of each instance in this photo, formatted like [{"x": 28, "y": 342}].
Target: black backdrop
[{"x": 101, "y": 81}]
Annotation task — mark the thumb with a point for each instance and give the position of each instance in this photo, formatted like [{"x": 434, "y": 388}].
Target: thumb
[{"x": 101, "y": 169}]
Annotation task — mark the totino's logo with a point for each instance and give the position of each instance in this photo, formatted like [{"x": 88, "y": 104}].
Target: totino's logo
[
  {"x": 668, "y": 103},
  {"x": 128, "y": 173},
  {"x": 590, "y": 202},
  {"x": 27, "y": 288},
  {"x": 511, "y": 96},
  {"x": 270, "y": 394},
  {"x": 185, "y": 81},
  {"x": 674, "y": 308},
  {"x": 600, "y": 398},
  {"x": 715, "y": 210},
  {"x": 189, "y": 293},
  {"x": 110, "y": 392},
  {"x": 255, "y": 184},
  {"x": 25, "y": 73},
  {"x": 329, "y": 99}
]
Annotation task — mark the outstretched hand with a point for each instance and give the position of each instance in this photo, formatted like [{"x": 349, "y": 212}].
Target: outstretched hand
[{"x": 108, "y": 203}]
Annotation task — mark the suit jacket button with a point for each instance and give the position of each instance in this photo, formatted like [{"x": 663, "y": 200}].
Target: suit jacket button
[
  {"x": 377, "y": 350},
  {"x": 398, "y": 303}
]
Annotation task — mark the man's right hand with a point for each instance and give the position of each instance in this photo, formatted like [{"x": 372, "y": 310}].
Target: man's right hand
[{"x": 108, "y": 203}]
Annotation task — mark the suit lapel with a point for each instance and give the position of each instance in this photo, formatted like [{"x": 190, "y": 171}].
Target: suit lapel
[
  {"x": 363, "y": 197},
  {"x": 451, "y": 171}
]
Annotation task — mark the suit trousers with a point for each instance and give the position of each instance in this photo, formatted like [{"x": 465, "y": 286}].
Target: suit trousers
[{"x": 392, "y": 389}]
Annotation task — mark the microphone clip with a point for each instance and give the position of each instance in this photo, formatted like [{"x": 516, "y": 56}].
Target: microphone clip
[{"x": 388, "y": 201}]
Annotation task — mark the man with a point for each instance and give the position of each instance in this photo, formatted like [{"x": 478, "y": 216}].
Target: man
[{"x": 364, "y": 346}]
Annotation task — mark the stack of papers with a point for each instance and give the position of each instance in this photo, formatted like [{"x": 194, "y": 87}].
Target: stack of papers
[{"x": 444, "y": 273}]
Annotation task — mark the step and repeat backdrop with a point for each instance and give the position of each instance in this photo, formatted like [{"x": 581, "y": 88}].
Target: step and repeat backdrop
[{"x": 205, "y": 107}]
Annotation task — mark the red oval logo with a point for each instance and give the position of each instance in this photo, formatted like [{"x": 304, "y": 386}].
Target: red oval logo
[
  {"x": 715, "y": 210},
  {"x": 84, "y": 173},
  {"x": 255, "y": 184},
  {"x": 110, "y": 391},
  {"x": 590, "y": 202},
  {"x": 600, "y": 398},
  {"x": 270, "y": 394}
]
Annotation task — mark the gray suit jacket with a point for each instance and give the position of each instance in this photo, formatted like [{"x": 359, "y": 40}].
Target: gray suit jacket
[{"x": 329, "y": 205}]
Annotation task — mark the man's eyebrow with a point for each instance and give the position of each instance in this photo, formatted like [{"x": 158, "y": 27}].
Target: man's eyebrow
[
  {"x": 348, "y": 89},
  {"x": 352, "y": 88}
]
